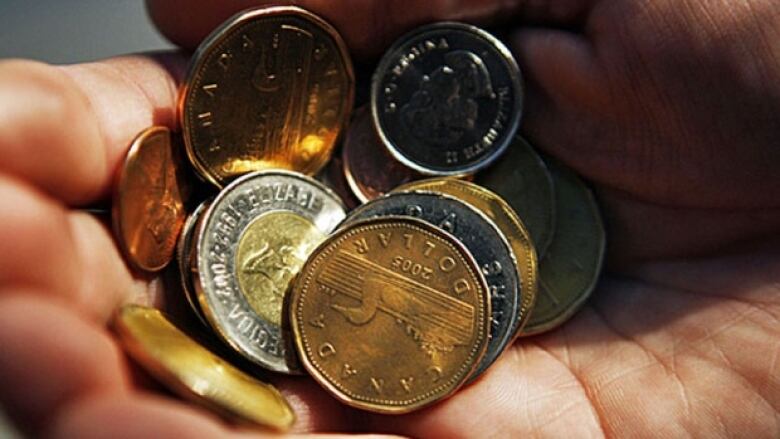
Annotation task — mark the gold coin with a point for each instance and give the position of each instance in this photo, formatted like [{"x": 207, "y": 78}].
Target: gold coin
[
  {"x": 390, "y": 314},
  {"x": 193, "y": 372},
  {"x": 270, "y": 253},
  {"x": 523, "y": 180},
  {"x": 148, "y": 204},
  {"x": 270, "y": 88},
  {"x": 569, "y": 271},
  {"x": 507, "y": 221}
]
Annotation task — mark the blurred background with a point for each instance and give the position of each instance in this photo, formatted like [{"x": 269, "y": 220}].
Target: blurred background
[{"x": 69, "y": 31}]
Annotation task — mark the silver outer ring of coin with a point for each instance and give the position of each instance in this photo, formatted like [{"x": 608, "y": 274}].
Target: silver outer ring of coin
[
  {"x": 482, "y": 238},
  {"x": 223, "y": 224},
  {"x": 504, "y": 130},
  {"x": 185, "y": 256}
]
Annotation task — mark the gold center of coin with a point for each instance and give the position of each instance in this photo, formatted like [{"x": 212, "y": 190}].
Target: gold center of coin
[{"x": 270, "y": 253}]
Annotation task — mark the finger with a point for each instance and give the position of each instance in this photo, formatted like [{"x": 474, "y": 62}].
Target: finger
[
  {"x": 368, "y": 26},
  {"x": 65, "y": 129},
  {"x": 141, "y": 416},
  {"x": 50, "y": 357},
  {"x": 519, "y": 396},
  {"x": 69, "y": 257},
  {"x": 565, "y": 87}
]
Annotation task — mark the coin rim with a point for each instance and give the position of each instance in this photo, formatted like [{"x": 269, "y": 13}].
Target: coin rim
[
  {"x": 185, "y": 257},
  {"x": 524, "y": 241},
  {"x": 592, "y": 204},
  {"x": 331, "y": 385},
  {"x": 510, "y": 335},
  {"x": 203, "y": 295},
  {"x": 136, "y": 144},
  {"x": 198, "y": 60},
  {"x": 173, "y": 380},
  {"x": 515, "y": 75}
]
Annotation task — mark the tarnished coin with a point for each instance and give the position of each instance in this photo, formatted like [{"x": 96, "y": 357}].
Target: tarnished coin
[
  {"x": 187, "y": 258},
  {"x": 507, "y": 221},
  {"x": 446, "y": 99},
  {"x": 332, "y": 176},
  {"x": 148, "y": 204},
  {"x": 195, "y": 373},
  {"x": 252, "y": 242},
  {"x": 484, "y": 241},
  {"x": 523, "y": 180},
  {"x": 270, "y": 88},
  {"x": 390, "y": 314},
  {"x": 371, "y": 171},
  {"x": 569, "y": 271}
]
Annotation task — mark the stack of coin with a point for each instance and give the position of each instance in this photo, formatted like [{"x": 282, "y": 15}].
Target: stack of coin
[{"x": 466, "y": 238}]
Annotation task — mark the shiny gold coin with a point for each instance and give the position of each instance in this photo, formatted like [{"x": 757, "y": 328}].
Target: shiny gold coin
[
  {"x": 569, "y": 271},
  {"x": 523, "y": 180},
  {"x": 390, "y": 314},
  {"x": 195, "y": 373},
  {"x": 507, "y": 221},
  {"x": 271, "y": 252},
  {"x": 148, "y": 204},
  {"x": 270, "y": 88}
]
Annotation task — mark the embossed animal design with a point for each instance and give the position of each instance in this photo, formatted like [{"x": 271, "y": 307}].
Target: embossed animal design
[{"x": 273, "y": 265}]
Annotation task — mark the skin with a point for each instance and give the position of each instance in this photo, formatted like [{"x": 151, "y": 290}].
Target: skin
[{"x": 669, "y": 107}]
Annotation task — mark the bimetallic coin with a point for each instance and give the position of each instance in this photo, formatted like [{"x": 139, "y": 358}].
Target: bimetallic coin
[
  {"x": 390, "y": 314},
  {"x": 370, "y": 170},
  {"x": 569, "y": 271},
  {"x": 187, "y": 258},
  {"x": 507, "y": 221},
  {"x": 523, "y": 180},
  {"x": 447, "y": 99},
  {"x": 148, "y": 204},
  {"x": 195, "y": 373},
  {"x": 481, "y": 237},
  {"x": 270, "y": 88},
  {"x": 253, "y": 240}
]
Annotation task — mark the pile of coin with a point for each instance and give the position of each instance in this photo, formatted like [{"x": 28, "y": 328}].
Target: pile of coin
[{"x": 394, "y": 268}]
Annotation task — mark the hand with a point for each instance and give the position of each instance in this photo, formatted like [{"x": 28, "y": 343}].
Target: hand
[{"x": 667, "y": 108}]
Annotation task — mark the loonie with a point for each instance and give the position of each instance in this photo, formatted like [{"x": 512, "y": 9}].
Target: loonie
[
  {"x": 390, "y": 314},
  {"x": 370, "y": 170},
  {"x": 270, "y": 88},
  {"x": 569, "y": 271},
  {"x": 252, "y": 241},
  {"x": 523, "y": 180},
  {"x": 446, "y": 99},
  {"x": 148, "y": 203},
  {"x": 482, "y": 238},
  {"x": 195, "y": 373},
  {"x": 507, "y": 221}
]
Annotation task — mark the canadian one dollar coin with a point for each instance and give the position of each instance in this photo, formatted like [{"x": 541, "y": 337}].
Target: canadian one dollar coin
[
  {"x": 447, "y": 99},
  {"x": 481, "y": 237},
  {"x": 252, "y": 241},
  {"x": 390, "y": 314},
  {"x": 269, "y": 89}
]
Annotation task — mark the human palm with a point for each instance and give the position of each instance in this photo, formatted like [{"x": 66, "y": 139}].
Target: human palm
[{"x": 669, "y": 107}]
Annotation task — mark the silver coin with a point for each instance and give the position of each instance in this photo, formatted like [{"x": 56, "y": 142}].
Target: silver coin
[
  {"x": 185, "y": 256},
  {"x": 447, "y": 99},
  {"x": 523, "y": 180},
  {"x": 481, "y": 237},
  {"x": 253, "y": 240}
]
